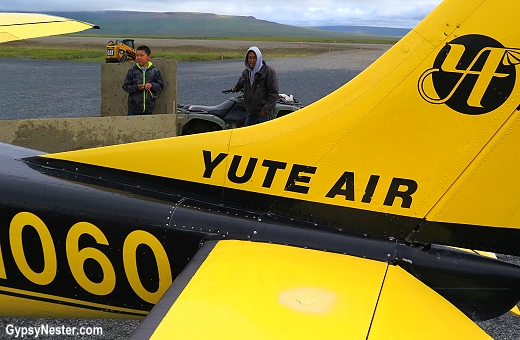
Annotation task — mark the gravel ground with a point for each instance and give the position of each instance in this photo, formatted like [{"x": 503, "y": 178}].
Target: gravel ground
[
  {"x": 44, "y": 89},
  {"x": 39, "y": 89}
]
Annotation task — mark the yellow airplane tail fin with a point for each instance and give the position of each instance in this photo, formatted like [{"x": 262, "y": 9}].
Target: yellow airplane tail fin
[{"x": 420, "y": 146}]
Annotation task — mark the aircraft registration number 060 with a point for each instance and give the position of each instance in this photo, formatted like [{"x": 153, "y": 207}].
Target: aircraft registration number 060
[{"x": 76, "y": 257}]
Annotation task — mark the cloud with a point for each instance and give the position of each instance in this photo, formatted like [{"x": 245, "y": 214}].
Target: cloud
[{"x": 393, "y": 13}]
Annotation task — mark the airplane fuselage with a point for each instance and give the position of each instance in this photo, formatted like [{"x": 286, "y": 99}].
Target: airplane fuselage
[{"x": 100, "y": 242}]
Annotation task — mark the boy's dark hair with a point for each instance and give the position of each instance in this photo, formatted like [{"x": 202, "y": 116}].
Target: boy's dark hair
[{"x": 144, "y": 48}]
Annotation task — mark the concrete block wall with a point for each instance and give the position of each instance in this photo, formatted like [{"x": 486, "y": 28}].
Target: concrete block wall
[
  {"x": 112, "y": 127},
  {"x": 65, "y": 134},
  {"x": 114, "y": 99}
]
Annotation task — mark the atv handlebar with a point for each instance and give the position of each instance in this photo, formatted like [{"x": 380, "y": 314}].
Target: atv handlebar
[
  {"x": 231, "y": 90},
  {"x": 282, "y": 98}
]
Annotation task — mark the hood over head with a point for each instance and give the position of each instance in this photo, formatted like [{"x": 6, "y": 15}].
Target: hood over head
[{"x": 258, "y": 65}]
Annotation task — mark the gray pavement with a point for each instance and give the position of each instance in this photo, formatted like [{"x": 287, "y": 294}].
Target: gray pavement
[
  {"x": 40, "y": 89},
  {"x": 45, "y": 89}
]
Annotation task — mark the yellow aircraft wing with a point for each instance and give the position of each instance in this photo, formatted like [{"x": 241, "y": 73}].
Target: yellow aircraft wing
[
  {"x": 18, "y": 26},
  {"x": 247, "y": 290}
]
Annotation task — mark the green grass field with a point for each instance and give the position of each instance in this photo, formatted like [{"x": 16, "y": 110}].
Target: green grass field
[
  {"x": 185, "y": 26},
  {"x": 192, "y": 53},
  {"x": 99, "y": 55}
]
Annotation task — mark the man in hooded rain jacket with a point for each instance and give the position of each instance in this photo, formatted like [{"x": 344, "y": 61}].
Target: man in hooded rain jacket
[{"x": 260, "y": 88}]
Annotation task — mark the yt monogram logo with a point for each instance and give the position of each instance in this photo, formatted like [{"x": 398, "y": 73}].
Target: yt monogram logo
[{"x": 473, "y": 74}]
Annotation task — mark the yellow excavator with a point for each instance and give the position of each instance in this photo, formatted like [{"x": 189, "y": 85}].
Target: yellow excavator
[{"x": 120, "y": 50}]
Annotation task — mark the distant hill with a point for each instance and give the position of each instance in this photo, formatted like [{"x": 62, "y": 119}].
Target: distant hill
[
  {"x": 370, "y": 30},
  {"x": 180, "y": 24}
]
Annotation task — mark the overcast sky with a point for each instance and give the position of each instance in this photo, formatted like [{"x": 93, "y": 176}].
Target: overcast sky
[{"x": 392, "y": 13}]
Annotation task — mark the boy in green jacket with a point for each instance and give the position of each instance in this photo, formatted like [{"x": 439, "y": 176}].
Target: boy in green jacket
[{"x": 143, "y": 82}]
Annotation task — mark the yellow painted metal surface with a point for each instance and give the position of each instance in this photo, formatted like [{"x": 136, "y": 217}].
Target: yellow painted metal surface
[
  {"x": 265, "y": 291},
  {"x": 18, "y": 26},
  {"x": 407, "y": 309},
  {"x": 378, "y": 126},
  {"x": 487, "y": 192},
  {"x": 247, "y": 290}
]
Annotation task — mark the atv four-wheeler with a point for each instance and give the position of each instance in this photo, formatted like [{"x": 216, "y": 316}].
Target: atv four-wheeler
[
  {"x": 119, "y": 51},
  {"x": 230, "y": 114}
]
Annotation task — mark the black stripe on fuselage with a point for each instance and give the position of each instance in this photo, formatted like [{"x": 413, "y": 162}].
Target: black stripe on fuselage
[
  {"x": 325, "y": 216},
  {"x": 76, "y": 304},
  {"x": 495, "y": 239}
]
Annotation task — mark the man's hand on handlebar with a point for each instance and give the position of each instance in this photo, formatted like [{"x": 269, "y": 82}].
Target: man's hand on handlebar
[{"x": 233, "y": 89}]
